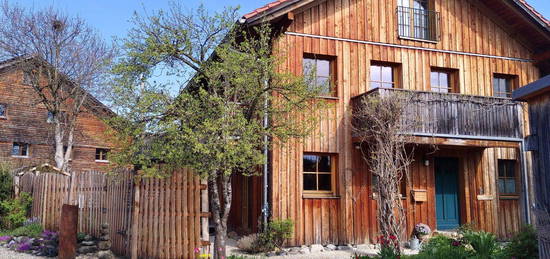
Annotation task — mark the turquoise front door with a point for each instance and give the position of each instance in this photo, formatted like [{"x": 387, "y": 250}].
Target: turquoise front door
[{"x": 446, "y": 193}]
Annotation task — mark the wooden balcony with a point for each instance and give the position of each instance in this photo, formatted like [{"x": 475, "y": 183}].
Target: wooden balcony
[{"x": 445, "y": 115}]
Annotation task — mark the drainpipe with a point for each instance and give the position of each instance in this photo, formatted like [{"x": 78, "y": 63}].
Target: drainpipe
[
  {"x": 265, "y": 207},
  {"x": 525, "y": 183}
]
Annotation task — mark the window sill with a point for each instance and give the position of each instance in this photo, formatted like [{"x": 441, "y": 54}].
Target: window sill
[
  {"x": 327, "y": 97},
  {"x": 416, "y": 39},
  {"x": 102, "y": 161},
  {"x": 3, "y": 118},
  {"x": 320, "y": 196},
  {"x": 508, "y": 197},
  {"x": 20, "y": 156}
]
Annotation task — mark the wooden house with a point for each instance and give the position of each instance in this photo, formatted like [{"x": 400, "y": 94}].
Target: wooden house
[
  {"x": 458, "y": 56},
  {"x": 26, "y": 135},
  {"x": 537, "y": 95}
]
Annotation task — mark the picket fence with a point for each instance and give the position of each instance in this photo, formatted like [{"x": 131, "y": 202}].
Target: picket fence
[{"x": 148, "y": 217}]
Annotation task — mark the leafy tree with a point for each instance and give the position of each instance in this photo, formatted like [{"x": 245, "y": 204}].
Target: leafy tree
[
  {"x": 232, "y": 105},
  {"x": 63, "y": 60}
]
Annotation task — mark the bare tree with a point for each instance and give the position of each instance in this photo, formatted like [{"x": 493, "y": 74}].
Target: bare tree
[
  {"x": 380, "y": 122},
  {"x": 62, "y": 59}
]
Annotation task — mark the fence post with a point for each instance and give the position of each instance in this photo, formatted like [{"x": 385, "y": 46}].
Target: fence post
[
  {"x": 67, "y": 234},
  {"x": 134, "y": 225}
]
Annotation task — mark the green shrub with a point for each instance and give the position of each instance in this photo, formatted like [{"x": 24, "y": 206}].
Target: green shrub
[
  {"x": 483, "y": 243},
  {"x": 31, "y": 230},
  {"x": 443, "y": 247},
  {"x": 523, "y": 245},
  {"x": 275, "y": 235},
  {"x": 6, "y": 181},
  {"x": 15, "y": 211}
]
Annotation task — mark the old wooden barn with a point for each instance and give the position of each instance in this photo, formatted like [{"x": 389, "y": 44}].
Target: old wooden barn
[{"x": 461, "y": 58}]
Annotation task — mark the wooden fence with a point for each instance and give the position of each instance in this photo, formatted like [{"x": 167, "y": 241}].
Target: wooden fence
[{"x": 148, "y": 218}]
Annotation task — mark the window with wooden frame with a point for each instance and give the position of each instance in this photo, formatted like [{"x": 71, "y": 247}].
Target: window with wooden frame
[
  {"x": 507, "y": 177},
  {"x": 101, "y": 155},
  {"x": 3, "y": 111},
  {"x": 320, "y": 71},
  {"x": 319, "y": 174},
  {"x": 20, "y": 149},
  {"x": 503, "y": 85},
  {"x": 443, "y": 80},
  {"x": 417, "y": 20},
  {"x": 383, "y": 75}
]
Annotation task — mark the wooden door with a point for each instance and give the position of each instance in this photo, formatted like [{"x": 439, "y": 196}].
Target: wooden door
[{"x": 446, "y": 193}]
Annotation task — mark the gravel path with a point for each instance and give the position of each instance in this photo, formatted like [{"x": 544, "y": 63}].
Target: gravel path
[{"x": 6, "y": 253}]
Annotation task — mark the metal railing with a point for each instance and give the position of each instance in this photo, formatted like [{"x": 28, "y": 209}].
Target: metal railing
[{"x": 414, "y": 23}]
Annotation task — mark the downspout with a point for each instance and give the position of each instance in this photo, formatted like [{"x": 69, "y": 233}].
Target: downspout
[
  {"x": 525, "y": 183},
  {"x": 265, "y": 207}
]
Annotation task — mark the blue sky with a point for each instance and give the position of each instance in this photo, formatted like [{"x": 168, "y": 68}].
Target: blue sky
[{"x": 110, "y": 17}]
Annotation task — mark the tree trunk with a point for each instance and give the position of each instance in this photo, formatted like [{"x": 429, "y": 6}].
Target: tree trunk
[
  {"x": 220, "y": 205},
  {"x": 59, "y": 157}
]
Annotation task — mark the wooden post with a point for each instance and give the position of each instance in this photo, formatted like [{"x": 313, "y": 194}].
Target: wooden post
[
  {"x": 135, "y": 221},
  {"x": 67, "y": 231}
]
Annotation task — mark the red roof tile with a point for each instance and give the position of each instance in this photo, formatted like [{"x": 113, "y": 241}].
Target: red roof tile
[
  {"x": 535, "y": 12},
  {"x": 264, "y": 8}
]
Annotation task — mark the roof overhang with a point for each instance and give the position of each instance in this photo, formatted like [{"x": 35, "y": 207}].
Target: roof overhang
[{"x": 532, "y": 90}]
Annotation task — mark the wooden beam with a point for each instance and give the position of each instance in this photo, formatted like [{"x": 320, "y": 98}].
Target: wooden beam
[{"x": 462, "y": 142}]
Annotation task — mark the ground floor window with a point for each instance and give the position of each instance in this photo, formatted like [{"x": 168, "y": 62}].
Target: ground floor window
[
  {"x": 507, "y": 177},
  {"x": 101, "y": 154},
  {"x": 319, "y": 172},
  {"x": 20, "y": 149}
]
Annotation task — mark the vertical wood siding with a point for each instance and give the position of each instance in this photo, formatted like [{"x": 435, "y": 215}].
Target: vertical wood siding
[{"x": 466, "y": 26}]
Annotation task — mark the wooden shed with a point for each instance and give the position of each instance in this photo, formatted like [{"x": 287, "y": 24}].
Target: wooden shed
[{"x": 537, "y": 95}]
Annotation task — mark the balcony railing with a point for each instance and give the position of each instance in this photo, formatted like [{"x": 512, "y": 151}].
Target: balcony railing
[
  {"x": 418, "y": 24},
  {"x": 456, "y": 115}
]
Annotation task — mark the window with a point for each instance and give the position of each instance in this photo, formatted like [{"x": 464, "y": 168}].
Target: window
[
  {"x": 443, "y": 81},
  {"x": 49, "y": 119},
  {"x": 320, "y": 72},
  {"x": 3, "y": 110},
  {"x": 20, "y": 149},
  {"x": 416, "y": 21},
  {"x": 503, "y": 85},
  {"x": 29, "y": 77},
  {"x": 507, "y": 180},
  {"x": 318, "y": 173},
  {"x": 383, "y": 75},
  {"x": 101, "y": 154}
]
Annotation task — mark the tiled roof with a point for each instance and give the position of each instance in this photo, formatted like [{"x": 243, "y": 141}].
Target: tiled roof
[
  {"x": 278, "y": 2},
  {"x": 535, "y": 12},
  {"x": 264, "y": 8}
]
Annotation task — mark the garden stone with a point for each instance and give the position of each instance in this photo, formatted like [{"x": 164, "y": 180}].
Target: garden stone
[
  {"x": 294, "y": 250},
  {"x": 346, "y": 247},
  {"x": 105, "y": 255},
  {"x": 330, "y": 247},
  {"x": 233, "y": 235},
  {"x": 88, "y": 238},
  {"x": 87, "y": 249},
  {"x": 304, "y": 250},
  {"x": 88, "y": 243},
  {"x": 270, "y": 254},
  {"x": 104, "y": 245},
  {"x": 316, "y": 248},
  {"x": 282, "y": 253},
  {"x": 105, "y": 237}
]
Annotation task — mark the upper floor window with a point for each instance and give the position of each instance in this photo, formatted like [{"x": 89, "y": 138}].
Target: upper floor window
[
  {"x": 320, "y": 71},
  {"x": 20, "y": 149},
  {"x": 29, "y": 77},
  {"x": 415, "y": 20},
  {"x": 101, "y": 154},
  {"x": 383, "y": 75},
  {"x": 442, "y": 81},
  {"x": 319, "y": 173},
  {"x": 3, "y": 111},
  {"x": 503, "y": 85},
  {"x": 507, "y": 180}
]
